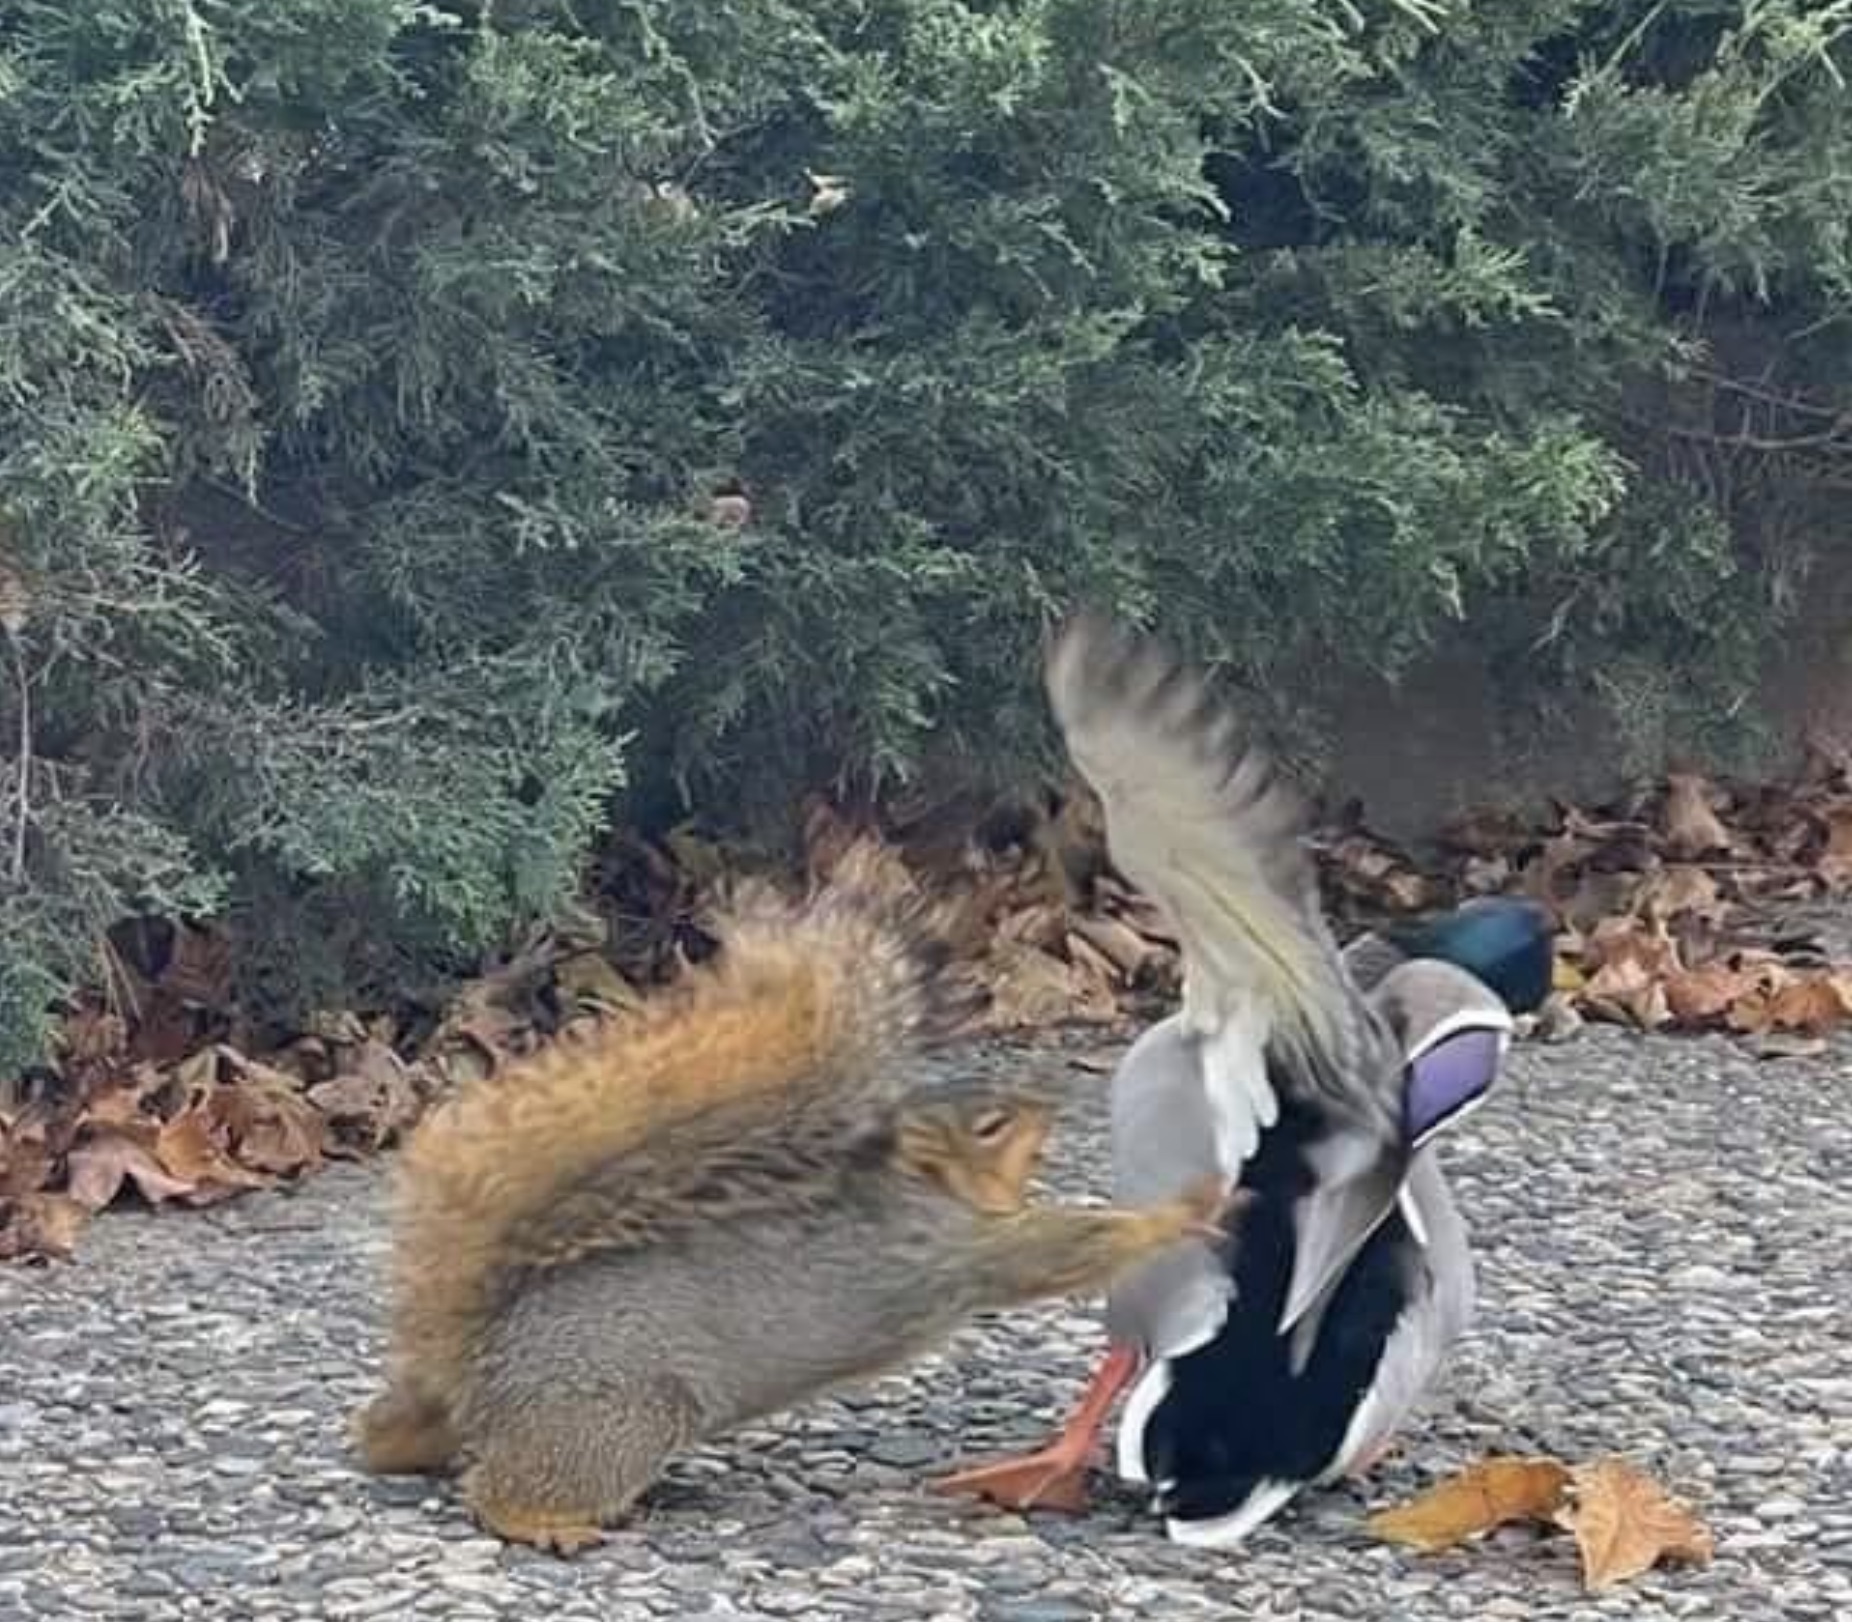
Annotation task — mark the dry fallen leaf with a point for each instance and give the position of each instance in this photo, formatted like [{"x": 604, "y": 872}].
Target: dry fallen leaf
[
  {"x": 587, "y": 978},
  {"x": 1812, "y": 1004},
  {"x": 199, "y": 968},
  {"x": 1367, "y": 869},
  {"x": 40, "y": 1225},
  {"x": 1566, "y": 975},
  {"x": 91, "y": 1036},
  {"x": 1695, "y": 997},
  {"x": 1775, "y": 1045},
  {"x": 189, "y": 1151},
  {"x": 267, "y": 1123},
  {"x": 26, "y": 1156},
  {"x": 1143, "y": 916},
  {"x": 1624, "y": 1524},
  {"x": 1677, "y": 890},
  {"x": 1487, "y": 831},
  {"x": 1490, "y": 1493},
  {"x": 110, "y": 1157},
  {"x": 336, "y": 1025},
  {"x": 1485, "y": 875},
  {"x": 370, "y": 1102},
  {"x": 1137, "y": 960},
  {"x": 1556, "y": 1021},
  {"x": 1042, "y": 925},
  {"x": 1691, "y": 828},
  {"x": 1031, "y": 987},
  {"x": 1835, "y": 863},
  {"x": 1628, "y": 991},
  {"x": 1633, "y": 961}
]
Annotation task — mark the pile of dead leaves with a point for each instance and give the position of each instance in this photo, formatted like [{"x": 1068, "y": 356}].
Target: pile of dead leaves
[
  {"x": 193, "y": 1132},
  {"x": 124, "y": 1114},
  {"x": 1685, "y": 909},
  {"x": 1623, "y": 1523},
  {"x": 1676, "y": 910}
]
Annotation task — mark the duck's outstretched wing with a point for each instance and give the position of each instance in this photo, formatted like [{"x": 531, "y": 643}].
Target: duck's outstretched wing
[{"x": 1208, "y": 829}]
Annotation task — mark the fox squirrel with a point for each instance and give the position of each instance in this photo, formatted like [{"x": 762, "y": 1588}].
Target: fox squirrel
[{"x": 713, "y": 1207}]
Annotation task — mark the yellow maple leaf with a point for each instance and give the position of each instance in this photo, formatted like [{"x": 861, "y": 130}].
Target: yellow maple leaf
[
  {"x": 1487, "y": 1494},
  {"x": 1624, "y": 1524}
]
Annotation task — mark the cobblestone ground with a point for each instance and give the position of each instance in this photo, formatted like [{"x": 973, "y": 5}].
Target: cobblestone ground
[{"x": 1661, "y": 1225}]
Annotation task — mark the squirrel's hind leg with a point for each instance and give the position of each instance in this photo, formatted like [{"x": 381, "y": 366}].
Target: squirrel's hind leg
[{"x": 557, "y": 1473}]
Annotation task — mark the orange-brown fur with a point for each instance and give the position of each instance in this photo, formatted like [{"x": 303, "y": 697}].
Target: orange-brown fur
[
  {"x": 713, "y": 1207},
  {"x": 984, "y": 1159},
  {"x": 800, "y": 1022}
]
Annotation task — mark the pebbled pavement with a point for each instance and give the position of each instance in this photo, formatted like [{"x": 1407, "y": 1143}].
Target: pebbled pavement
[{"x": 1661, "y": 1229}]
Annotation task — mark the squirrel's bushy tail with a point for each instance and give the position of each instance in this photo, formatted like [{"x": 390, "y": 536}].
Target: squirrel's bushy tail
[{"x": 790, "y": 1045}]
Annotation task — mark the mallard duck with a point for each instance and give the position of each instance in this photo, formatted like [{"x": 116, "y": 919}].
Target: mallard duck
[{"x": 1316, "y": 1079}]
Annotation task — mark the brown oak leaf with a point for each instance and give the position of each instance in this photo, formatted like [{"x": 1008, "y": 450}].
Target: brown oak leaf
[
  {"x": 1835, "y": 865},
  {"x": 588, "y": 979},
  {"x": 1708, "y": 992},
  {"x": 1680, "y": 889},
  {"x": 372, "y": 1100},
  {"x": 1627, "y": 991},
  {"x": 268, "y": 1124},
  {"x": 26, "y": 1156},
  {"x": 1031, "y": 987},
  {"x": 1810, "y": 1003}
]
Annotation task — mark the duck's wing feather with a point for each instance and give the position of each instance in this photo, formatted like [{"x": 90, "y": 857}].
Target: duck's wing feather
[
  {"x": 1213, "y": 835},
  {"x": 1439, "y": 1310}
]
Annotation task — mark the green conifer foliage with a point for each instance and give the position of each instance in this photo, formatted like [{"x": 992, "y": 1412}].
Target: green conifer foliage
[{"x": 369, "y": 368}]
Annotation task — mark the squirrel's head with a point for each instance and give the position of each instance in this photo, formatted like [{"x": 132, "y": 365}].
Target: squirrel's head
[{"x": 979, "y": 1149}]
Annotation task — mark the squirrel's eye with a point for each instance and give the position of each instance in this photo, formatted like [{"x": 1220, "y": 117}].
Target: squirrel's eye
[{"x": 992, "y": 1125}]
